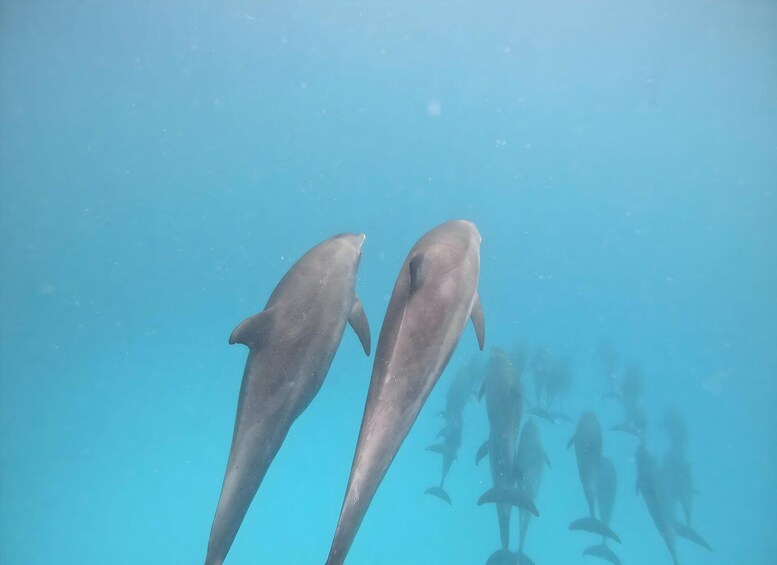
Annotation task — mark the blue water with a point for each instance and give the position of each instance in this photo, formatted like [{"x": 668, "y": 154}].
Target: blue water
[{"x": 162, "y": 164}]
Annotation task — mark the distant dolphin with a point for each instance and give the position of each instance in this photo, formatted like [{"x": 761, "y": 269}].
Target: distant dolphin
[
  {"x": 291, "y": 345},
  {"x": 651, "y": 485},
  {"x": 461, "y": 390},
  {"x": 435, "y": 293},
  {"x": 606, "y": 486},
  {"x": 448, "y": 448},
  {"x": 530, "y": 458},
  {"x": 678, "y": 482},
  {"x": 504, "y": 404},
  {"x": 463, "y": 387},
  {"x": 588, "y": 451}
]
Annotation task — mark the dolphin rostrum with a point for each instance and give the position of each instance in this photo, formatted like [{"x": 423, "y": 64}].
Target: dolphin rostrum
[
  {"x": 291, "y": 345},
  {"x": 435, "y": 293},
  {"x": 588, "y": 451}
]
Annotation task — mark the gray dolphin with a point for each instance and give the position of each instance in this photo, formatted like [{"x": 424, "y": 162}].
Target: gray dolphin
[
  {"x": 291, "y": 345},
  {"x": 435, "y": 293},
  {"x": 606, "y": 486},
  {"x": 504, "y": 405},
  {"x": 460, "y": 392},
  {"x": 448, "y": 448},
  {"x": 462, "y": 387},
  {"x": 650, "y": 484},
  {"x": 678, "y": 482},
  {"x": 530, "y": 458},
  {"x": 588, "y": 451}
]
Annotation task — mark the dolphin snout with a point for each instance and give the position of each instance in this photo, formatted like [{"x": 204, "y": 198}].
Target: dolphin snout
[{"x": 355, "y": 239}]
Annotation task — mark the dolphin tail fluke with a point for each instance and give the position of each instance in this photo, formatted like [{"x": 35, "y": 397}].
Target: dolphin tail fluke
[
  {"x": 523, "y": 559},
  {"x": 603, "y": 552},
  {"x": 594, "y": 526},
  {"x": 508, "y": 496},
  {"x": 482, "y": 452},
  {"x": 691, "y": 535},
  {"x": 440, "y": 493},
  {"x": 438, "y": 448},
  {"x": 502, "y": 557}
]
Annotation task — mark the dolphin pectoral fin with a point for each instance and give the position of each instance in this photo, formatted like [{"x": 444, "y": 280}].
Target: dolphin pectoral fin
[
  {"x": 482, "y": 452},
  {"x": 482, "y": 390},
  {"x": 544, "y": 414},
  {"x": 546, "y": 459},
  {"x": 478, "y": 321},
  {"x": 508, "y": 496},
  {"x": 440, "y": 493},
  {"x": 252, "y": 330},
  {"x": 358, "y": 321},
  {"x": 439, "y": 448},
  {"x": 594, "y": 526},
  {"x": 688, "y": 533},
  {"x": 571, "y": 442},
  {"x": 603, "y": 552},
  {"x": 417, "y": 272}
]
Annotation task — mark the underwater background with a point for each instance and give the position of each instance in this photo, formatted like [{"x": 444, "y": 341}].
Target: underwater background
[{"x": 163, "y": 164}]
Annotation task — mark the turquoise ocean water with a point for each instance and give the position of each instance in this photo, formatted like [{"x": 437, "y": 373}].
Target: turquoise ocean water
[{"x": 162, "y": 164}]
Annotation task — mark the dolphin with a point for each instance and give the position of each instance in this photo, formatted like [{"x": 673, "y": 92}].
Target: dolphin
[
  {"x": 679, "y": 487},
  {"x": 462, "y": 387},
  {"x": 606, "y": 486},
  {"x": 435, "y": 293},
  {"x": 291, "y": 345},
  {"x": 504, "y": 405},
  {"x": 674, "y": 425},
  {"x": 530, "y": 458},
  {"x": 448, "y": 448},
  {"x": 651, "y": 485},
  {"x": 460, "y": 392},
  {"x": 588, "y": 451}
]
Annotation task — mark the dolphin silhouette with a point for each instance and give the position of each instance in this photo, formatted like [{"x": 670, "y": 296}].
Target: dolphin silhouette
[
  {"x": 435, "y": 293},
  {"x": 291, "y": 345}
]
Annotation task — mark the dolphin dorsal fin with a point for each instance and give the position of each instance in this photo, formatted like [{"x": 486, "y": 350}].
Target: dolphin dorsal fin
[
  {"x": 358, "y": 321},
  {"x": 418, "y": 271},
  {"x": 252, "y": 330},
  {"x": 478, "y": 321}
]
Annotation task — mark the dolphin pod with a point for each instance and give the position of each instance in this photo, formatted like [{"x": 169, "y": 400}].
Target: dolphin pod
[
  {"x": 291, "y": 345},
  {"x": 434, "y": 295}
]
